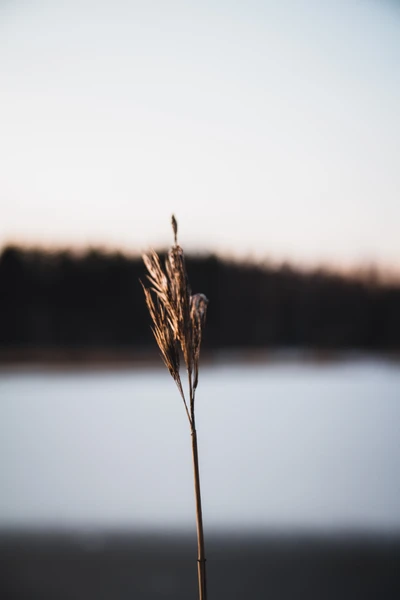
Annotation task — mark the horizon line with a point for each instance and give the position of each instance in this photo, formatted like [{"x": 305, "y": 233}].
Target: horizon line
[{"x": 373, "y": 268}]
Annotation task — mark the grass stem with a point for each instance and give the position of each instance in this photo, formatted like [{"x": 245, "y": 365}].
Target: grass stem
[{"x": 201, "y": 558}]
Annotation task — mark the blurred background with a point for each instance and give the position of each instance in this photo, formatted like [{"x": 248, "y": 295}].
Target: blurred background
[{"x": 272, "y": 131}]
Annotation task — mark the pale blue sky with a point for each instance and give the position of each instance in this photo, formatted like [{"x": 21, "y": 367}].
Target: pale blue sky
[{"x": 269, "y": 128}]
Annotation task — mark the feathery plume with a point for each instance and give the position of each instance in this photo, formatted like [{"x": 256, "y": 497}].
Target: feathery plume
[{"x": 178, "y": 317}]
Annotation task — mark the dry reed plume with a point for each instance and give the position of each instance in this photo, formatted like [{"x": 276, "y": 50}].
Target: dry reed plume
[{"x": 178, "y": 321}]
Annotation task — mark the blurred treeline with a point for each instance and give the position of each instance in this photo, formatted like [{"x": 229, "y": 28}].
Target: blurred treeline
[{"x": 64, "y": 300}]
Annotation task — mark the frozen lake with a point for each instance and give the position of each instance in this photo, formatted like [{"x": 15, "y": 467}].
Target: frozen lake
[{"x": 281, "y": 446}]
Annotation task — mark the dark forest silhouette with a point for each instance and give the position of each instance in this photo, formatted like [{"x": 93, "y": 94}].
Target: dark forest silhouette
[{"x": 63, "y": 300}]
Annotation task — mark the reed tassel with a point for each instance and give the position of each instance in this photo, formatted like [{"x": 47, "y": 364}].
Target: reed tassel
[{"x": 178, "y": 322}]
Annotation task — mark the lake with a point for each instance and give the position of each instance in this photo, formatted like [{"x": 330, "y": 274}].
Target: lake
[{"x": 283, "y": 446}]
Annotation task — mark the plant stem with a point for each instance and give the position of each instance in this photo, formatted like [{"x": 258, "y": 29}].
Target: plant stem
[{"x": 201, "y": 559}]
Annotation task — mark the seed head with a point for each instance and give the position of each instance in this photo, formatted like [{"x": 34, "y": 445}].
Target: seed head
[
  {"x": 175, "y": 228},
  {"x": 178, "y": 316}
]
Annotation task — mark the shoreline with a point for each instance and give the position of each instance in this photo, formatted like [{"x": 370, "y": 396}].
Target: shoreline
[
  {"x": 148, "y": 358},
  {"x": 128, "y": 566}
]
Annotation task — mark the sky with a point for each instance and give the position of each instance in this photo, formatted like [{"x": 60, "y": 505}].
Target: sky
[{"x": 270, "y": 129}]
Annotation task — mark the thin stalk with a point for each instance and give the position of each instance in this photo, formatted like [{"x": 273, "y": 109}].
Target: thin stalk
[
  {"x": 178, "y": 383},
  {"x": 201, "y": 557}
]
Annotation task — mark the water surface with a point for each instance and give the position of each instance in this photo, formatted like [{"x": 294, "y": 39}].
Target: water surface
[{"x": 281, "y": 446}]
